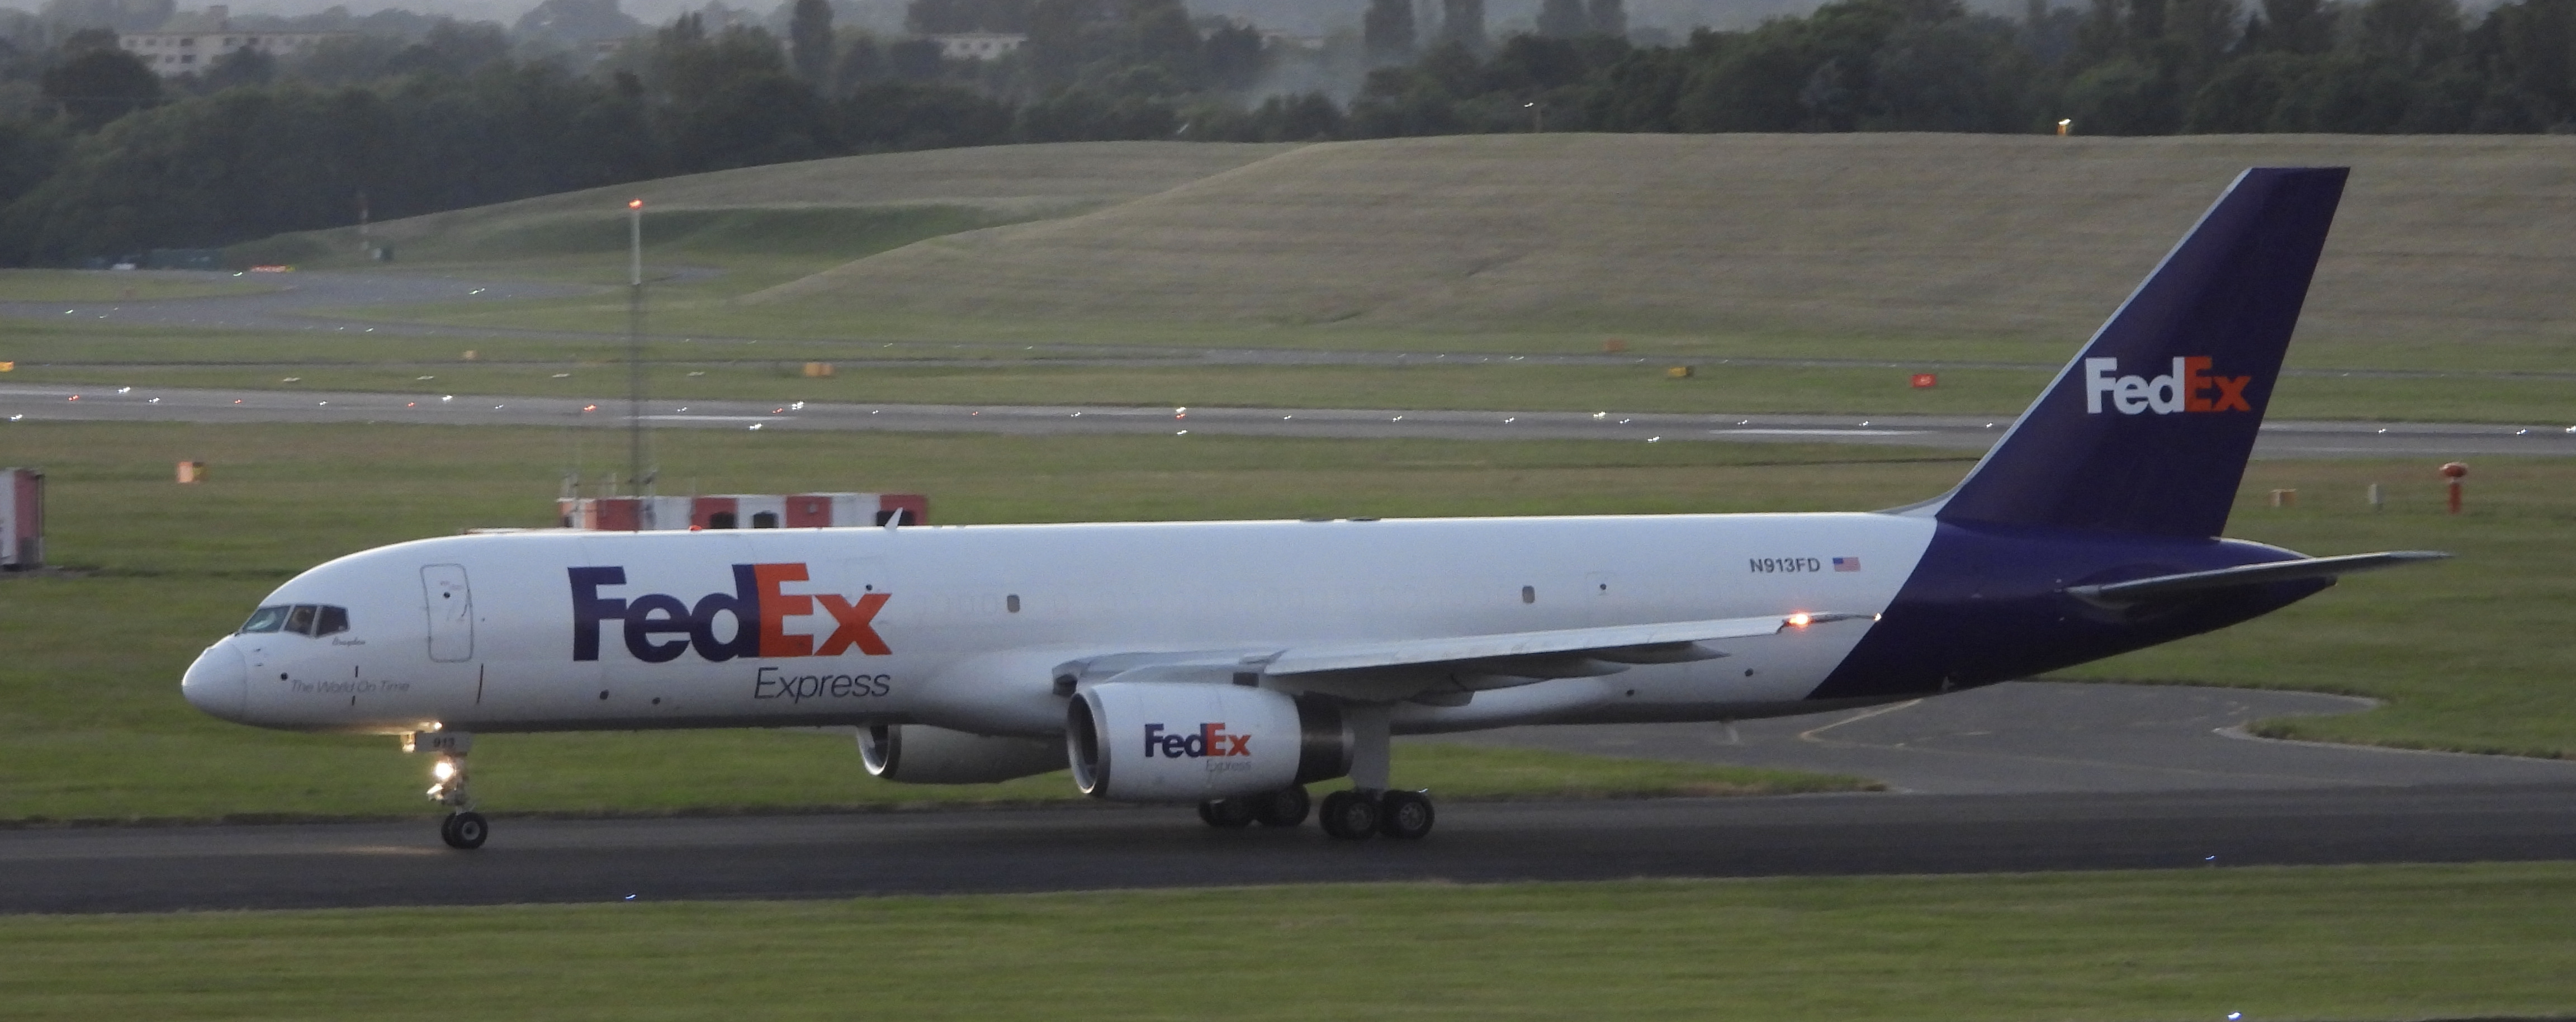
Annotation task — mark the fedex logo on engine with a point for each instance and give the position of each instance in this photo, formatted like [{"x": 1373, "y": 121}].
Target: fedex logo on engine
[
  {"x": 1208, "y": 740},
  {"x": 758, "y": 604},
  {"x": 2189, "y": 388}
]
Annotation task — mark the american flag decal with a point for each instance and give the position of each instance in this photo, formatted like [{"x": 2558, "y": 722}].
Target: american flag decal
[{"x": 1847, "y": 564}]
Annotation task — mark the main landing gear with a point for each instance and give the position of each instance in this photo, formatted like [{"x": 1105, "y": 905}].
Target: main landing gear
[
  {"x": 1354, "y": 815},
  {"x": 1372, "y": 806},
  {"x": 1286, "y": 807},
  {"x": 464, "y": 829},
  {"x": 1369, "y": 809},
  {"x": 1349, "y": 815}
]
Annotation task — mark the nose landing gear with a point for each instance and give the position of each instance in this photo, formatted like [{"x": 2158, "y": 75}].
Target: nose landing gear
[{"x": 464, "y": 829}]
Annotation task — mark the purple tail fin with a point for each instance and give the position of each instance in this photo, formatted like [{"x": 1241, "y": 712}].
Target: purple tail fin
[{"x": 2147, "y": 431}]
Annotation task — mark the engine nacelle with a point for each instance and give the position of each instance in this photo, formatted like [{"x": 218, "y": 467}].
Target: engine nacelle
[
  {"x": 922, "y": 754},
  {"x": 1142, "y": 741}
]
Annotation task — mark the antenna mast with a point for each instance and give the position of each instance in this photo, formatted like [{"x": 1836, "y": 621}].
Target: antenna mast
[{"x": 635, "y": 345}]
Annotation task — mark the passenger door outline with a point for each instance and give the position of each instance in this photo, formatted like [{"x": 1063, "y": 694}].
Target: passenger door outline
[{"x": 449, "y": 602}]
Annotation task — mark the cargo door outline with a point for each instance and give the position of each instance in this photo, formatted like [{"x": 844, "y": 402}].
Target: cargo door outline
[{"x": 450, "y": 605}]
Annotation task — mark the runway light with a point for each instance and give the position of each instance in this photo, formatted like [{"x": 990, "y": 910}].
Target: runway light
[
  {"x": 1799, "y": 620},
  {"x": 443, "y": 770},
  {"x": 590, "y": 408}
]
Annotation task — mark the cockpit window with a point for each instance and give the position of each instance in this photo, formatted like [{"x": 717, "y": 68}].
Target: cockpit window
[{"x": 301, "y": 618}]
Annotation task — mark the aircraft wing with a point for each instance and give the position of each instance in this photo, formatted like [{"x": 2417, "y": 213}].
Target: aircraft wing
[
  {"x": 2116, "y": 594},
  {"x": 1671, "y": 642}
]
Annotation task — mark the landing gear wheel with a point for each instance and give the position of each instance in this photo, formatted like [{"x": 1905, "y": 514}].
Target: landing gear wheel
[
  {"x": 1286, "y": 807},
  {"x": 1404, "y": 815},
  {"x": 1227, "y": 813},
  {"x": 1349, "y": 815},
  {"x": 465, "y": 830}
]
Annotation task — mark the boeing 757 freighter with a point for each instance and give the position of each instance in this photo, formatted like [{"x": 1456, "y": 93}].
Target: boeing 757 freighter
[{"x": 1230, "y": 664}]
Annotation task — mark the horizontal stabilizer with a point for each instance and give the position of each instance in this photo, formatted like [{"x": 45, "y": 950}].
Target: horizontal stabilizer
[
  {"x": 2118, "y": 594},
  {"x": 1619, "y": 644}
]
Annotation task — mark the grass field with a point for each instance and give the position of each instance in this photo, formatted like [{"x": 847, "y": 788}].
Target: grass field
[
  {"x": 2406, "y": 942},
  {"x": 771, "y": 370},
  {"x": 96, "y": 719},
  {"x": 113, "y": 285},
  {"x": 2448, "y": 254},
  {"x": 1005, "y": 183},
  {"x": 2440, "y": 240}
]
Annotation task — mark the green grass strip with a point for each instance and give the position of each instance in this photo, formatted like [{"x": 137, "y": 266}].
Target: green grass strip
[{"x": 2404, "y": 942}]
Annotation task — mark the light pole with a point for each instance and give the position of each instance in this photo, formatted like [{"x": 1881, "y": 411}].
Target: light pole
[
  {"x": 2063, "y": 124},
  {"x": 635, "y": 346},
  {"x": 1538, "y": 116}
]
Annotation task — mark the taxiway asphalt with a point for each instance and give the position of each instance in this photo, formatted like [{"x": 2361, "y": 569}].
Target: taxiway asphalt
[
  {"x": 2279, "y": 439},
  {"x": 2040, "y": 777}
]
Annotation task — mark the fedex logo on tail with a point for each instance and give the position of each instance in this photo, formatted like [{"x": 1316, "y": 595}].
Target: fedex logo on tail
[
  {"x": 2188, "y": 388},
  {"x": 1208, "y": 740},
  {"x": 759, "y": 605}
]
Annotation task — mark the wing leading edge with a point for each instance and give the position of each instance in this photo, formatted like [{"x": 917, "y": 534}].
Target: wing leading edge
[{"x": 1672, "y": 642}]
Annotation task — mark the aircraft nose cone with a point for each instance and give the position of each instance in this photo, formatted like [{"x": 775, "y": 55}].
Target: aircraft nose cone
[{"x": 219, "y": 682}]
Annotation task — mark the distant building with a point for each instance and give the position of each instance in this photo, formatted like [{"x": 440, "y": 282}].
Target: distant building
[
  {"x": 978, "y": 45},
  {"x": 190, "y": 43}
]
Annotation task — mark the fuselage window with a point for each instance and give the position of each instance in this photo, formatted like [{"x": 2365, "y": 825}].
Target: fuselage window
[
  {"x": 265, "y": 619},
  {"x": 300, "y": 619},
  {"x": 764, "y": 519}
]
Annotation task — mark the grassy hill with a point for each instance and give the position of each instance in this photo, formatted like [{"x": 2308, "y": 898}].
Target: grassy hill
[
  {"x": 817, "y": 212},
  {"x": 2441, "y": 240}
]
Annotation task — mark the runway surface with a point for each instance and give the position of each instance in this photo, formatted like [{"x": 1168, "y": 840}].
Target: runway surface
[
  {"x": 2279, "y": 439},
  {"x": 2054, "y": 737},
  {"x": 2052, "y": 793}
]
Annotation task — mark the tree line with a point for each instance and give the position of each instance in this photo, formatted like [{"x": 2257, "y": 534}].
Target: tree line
[{"x": 100, "y": 157}]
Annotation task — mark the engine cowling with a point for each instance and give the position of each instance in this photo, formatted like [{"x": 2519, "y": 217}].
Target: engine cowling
[
  {"x": 1179, "y": 742},
  {"x": 922, "y": 754}
]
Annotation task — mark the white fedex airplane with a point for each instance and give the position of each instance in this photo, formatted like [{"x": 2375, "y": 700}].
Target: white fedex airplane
[{"x": 1231, "y": 663}]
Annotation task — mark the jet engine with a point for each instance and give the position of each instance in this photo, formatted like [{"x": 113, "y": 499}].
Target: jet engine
[
  {"x": 1143, "y": 741},
  {"x": 921, "y": 754}
]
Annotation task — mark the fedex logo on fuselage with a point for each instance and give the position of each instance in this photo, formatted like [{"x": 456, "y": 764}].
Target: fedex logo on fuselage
[
  {"x": 1208, "y": 740},
  {"x": 2189, "y": 388},
  {"x": 758, "y": 604}
]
